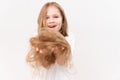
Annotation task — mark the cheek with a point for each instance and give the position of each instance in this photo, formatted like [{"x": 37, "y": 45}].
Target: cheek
[
  {"x": 60, "y": 22},
  {"x": 46, "y": 22}
]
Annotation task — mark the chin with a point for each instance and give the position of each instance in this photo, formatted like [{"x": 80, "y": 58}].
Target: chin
[{"x": 54, "y": 29}]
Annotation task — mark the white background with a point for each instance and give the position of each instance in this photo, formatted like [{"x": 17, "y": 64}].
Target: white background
[{"x": 94, "y": 23}]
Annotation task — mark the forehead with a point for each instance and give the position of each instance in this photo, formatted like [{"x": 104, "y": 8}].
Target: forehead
[{"x": 53, "y": 10}]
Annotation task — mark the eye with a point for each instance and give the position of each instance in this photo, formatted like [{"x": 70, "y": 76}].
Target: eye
[
  {"x": 47, "y": 17},
  {"x": 56, "y": 16}
]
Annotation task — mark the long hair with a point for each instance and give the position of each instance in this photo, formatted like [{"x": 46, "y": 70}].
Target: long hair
[
  {"x": 48, "y": 47},
  {"x": 42, "y": 17}
]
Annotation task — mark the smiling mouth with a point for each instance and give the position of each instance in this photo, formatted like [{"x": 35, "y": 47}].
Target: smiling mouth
[{"x": 52, "y": 26}]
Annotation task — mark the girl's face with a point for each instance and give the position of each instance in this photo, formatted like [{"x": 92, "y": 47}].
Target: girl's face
[{"x": 53, "y": 18}]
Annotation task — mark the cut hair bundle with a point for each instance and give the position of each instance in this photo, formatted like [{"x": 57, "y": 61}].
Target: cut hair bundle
[{"x": 47, "y": 48}]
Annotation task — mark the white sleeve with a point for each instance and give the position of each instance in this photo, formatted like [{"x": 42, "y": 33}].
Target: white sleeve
[{"x": 71, "y": 40}]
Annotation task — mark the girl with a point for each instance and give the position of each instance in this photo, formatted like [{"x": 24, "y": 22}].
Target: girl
[{"x": 49, "y": 49}]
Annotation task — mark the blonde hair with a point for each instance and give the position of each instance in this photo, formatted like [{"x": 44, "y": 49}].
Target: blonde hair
[
  {"x": 42, "y": 17},
  {"x": 47, "y": 47}
]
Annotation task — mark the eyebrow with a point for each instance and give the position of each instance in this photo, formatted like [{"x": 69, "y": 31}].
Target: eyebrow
[{"x": 54, "y": 14}]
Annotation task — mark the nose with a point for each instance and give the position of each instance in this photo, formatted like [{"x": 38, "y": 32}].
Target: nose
[{"x": 51, "y": 20}]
